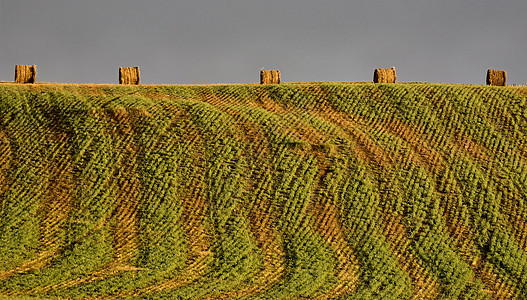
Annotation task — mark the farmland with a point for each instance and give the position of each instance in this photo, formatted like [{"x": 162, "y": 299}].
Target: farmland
[{"x": 292, "y": 191}]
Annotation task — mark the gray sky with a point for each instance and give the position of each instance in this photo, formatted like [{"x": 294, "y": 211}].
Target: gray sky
[{"x": 229, "y": 41}]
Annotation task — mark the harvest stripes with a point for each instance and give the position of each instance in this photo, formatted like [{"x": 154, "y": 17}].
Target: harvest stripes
[{"x": 290, "y": 191}]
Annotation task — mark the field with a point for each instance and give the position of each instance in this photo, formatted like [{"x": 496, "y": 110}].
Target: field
[{"x": 291, "y": 191}]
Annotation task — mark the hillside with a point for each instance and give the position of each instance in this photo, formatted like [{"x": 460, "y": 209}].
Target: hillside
[{"x": 290, "y": 191}]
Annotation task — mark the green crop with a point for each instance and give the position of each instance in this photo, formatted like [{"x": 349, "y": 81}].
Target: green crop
[{"x": 321, "y": 190}]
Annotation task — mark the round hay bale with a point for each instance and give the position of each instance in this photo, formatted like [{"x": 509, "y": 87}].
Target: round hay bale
[
  {"x": 496, "y": 77},
  {"x": 129, "y": 75},
  {"x": 270, "y": 77},
  {"x": 264, "y": 77},
  {"x": 275, "y": 76},
  {"x": 25, "y": 73},
  {"x": 384, "y": 75}
]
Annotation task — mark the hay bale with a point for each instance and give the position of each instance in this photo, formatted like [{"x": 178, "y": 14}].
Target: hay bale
[
  {"x": 270, "y": 77},
  {"x": 384, "y": 75},
  {"x": 129, "y": 76},
  {"x": 25, "y": 74},
  {"x": 496, "y": 77}
]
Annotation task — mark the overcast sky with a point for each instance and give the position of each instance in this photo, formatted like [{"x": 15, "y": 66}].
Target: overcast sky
[{"x": 229, "y": 41}]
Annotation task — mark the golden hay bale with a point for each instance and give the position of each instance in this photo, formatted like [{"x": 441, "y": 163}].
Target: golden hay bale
[
  {"x": 25, "y": 74},
  {"x": 496, "y": 77},
  {"x": 129, "y": 76},
  {"x": 270, "y": 77},
  {"x": 384, "y": 75}
]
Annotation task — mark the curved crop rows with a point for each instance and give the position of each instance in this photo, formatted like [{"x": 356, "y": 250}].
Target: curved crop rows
[{"x": 304, "y": 191}]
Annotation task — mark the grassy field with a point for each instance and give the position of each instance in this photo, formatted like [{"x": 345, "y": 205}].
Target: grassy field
[{"x": 291, "y": 191}]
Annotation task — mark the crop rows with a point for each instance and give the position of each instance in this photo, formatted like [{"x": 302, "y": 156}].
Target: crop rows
[{"x": 305, "y": 191}]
